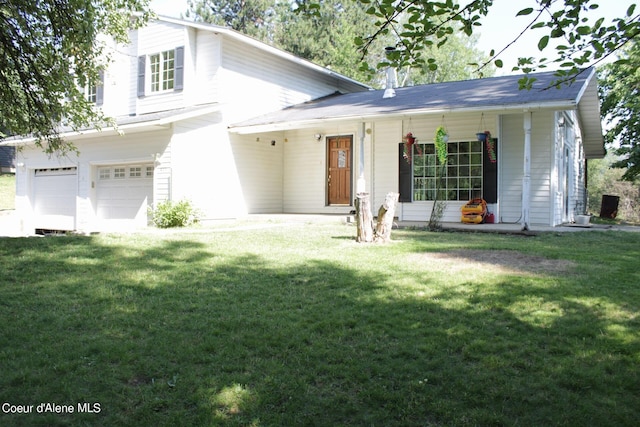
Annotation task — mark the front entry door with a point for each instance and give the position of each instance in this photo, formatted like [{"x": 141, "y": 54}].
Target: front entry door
[{"x": 339, "y": 170}]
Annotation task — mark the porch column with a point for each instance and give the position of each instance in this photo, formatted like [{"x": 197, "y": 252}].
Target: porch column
[
  {"x": 360, "y": 188},
  {"x": 526, "y": 177}
]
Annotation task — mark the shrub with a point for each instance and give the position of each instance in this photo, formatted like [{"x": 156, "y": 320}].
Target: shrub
[{"x": 169, "y": 214}]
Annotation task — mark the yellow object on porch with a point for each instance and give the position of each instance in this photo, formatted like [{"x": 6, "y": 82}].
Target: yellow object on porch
[{"x": 474, "y": 212}]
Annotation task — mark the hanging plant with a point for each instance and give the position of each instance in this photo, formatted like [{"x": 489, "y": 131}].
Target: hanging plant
[
  {"x": 438, "y": 207},
  {"x": 409, "y": 140},
  {"x": 440, "y": 140}
]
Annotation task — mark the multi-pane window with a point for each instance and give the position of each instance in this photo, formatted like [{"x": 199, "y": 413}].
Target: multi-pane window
[
  {"x": 119, "y": 172},
  {"x": 91, "y": 93},
  {"x": 460, "y": 179},
  {"x": 162, "y": 67}
]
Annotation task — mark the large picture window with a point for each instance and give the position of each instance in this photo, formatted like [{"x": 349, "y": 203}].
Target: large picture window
[
  {"x": 162, "y": 67},
  {"x": 462, "y": 177}
]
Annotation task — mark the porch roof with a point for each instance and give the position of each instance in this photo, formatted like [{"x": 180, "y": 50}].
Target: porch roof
[{"x": 499, "y": 94}]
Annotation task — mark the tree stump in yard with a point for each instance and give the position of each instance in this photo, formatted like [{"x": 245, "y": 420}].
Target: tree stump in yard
[
  {"x": 364, "y": 219},
  {"x": 386, "y": 214}
]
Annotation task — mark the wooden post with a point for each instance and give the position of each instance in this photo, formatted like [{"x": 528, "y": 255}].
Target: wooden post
[
  {"x": 364, "y": 219},
  {"x": 386, "y": 214}
]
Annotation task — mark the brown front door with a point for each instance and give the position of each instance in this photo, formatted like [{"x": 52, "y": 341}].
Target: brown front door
[{"x": 339, "y": 170}]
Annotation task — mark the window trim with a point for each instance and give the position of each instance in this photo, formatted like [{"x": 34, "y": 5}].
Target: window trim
[
  {"x": 155, "y": 66},
  {"x": 424, "y": 167}
]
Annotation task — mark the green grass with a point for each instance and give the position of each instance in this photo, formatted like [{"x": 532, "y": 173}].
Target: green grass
[
  {"x": 7, "y": 191},
  {"x": 301, "y": 326}
]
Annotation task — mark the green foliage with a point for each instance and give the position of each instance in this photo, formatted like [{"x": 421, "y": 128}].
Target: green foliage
[
  {"x": 604, "y": 179},
  {"x": 331, "y": 33},
  {"x": 421, "y": 24},
  {"x": 7, "y": 191},
  {"x": 440, "y": 141},
  {"x": 49, "y": 52},
  {"x": 437, "y": 209},
  {"x": 251, "y": 17},
  {"x": 169, "y": 214},
  {"x": 620, "y": 95}
]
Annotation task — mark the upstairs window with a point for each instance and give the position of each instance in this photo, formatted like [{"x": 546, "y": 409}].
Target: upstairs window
[
  {"x": 162, "y": 71},
  {"x": 165, "y": 71},
  {"x": 91, "y": 93},
  {"x": 94, "y": 92}
]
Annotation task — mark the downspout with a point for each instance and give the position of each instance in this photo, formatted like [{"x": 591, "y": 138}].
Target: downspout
[{"x": 526, "y": 177}]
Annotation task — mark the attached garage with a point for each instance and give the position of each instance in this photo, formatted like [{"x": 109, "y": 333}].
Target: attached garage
[
  {"x": 123, "y": 194},
  {"x": 54, "y": 198}
]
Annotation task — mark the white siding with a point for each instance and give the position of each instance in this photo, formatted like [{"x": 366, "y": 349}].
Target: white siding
[
  {"x": 386, "y": 137},
  {"x": 256, "y": 82},
  {"x": 511, "y": 168},
  {"x": 204, "y": 170},
  {"x": 117, "y": 100},
  {"x": 304, "y": 173},
  {"x": 155, "y": 38},
  {"x": 261, "y": 170},
  {"x": 202, "y": 88}
]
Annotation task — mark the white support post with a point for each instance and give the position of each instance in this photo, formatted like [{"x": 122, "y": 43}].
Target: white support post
[
  {"x": 361, "y": 186},
  {"x": 526, "y": 177}
]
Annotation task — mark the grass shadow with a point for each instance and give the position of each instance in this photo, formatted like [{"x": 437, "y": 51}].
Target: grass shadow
[{"x": 187, "y": 331}]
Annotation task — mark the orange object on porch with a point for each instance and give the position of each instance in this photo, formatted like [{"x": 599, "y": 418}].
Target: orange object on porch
[{"x": 474, "y": 212}]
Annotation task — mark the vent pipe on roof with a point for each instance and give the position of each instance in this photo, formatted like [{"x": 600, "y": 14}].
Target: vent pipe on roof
[{"x": 392, "y": 77}]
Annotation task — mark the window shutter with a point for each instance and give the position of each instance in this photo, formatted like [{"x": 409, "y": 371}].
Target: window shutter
[
  {"x": 490, "y": 174},
  {"x": 100, "y": 89},
  {"x": 142, "y": 65},
  {"x": 404, "y": 178},
  {"x": 179, "y": 76}
]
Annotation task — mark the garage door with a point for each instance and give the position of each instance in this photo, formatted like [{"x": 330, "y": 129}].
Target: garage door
[
  {"x": 123, "y": 194},
  {"x": 54, "y": 198}
]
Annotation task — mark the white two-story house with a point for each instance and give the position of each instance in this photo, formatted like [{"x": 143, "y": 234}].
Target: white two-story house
[{"x": 173, "y": 92}]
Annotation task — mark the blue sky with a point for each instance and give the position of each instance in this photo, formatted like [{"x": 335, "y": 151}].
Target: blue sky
[{"x": 498, "y": 29}]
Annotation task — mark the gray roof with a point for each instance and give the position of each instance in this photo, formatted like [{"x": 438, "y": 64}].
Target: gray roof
[{"x": 489, "y": 94}]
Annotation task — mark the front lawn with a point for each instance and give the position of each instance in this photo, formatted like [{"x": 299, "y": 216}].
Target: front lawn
[
  {"x": 298, "y": 325},
  {"x": 7, "y": 191}
]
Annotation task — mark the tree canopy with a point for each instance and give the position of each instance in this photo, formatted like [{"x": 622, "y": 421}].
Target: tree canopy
[
  {"x": 576, "y": 41},
  {"x": 50, "y": 51},
  {"x": 327, "y": 36},
  {"x": 620, "y": 97}
]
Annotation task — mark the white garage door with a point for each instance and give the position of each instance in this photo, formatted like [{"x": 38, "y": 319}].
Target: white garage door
[
  {"x": 123, "y": 194},
  {"x": 54, "y": 198}
]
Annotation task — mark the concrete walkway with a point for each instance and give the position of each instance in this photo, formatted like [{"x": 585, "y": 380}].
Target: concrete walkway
[{"x": 10, "y": 225}]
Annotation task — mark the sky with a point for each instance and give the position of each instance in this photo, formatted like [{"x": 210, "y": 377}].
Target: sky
[{"x": 498, "y": 28}]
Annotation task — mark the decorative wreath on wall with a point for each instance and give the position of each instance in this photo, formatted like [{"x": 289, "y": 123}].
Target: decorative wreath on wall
[{"x": 489, "y": 144}]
